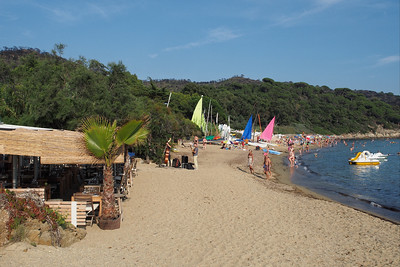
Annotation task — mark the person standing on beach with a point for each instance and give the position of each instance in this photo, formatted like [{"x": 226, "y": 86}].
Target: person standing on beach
[
  {"x": 291, "y": 157},
  {"x": 250, "y": 158},
  {"x": 267, "y": 166},
  {"x": 204, "y": 142},
  {"x": 167, "y": 153},
  {"x": 195, "y": 152},
  {"x": 290, "y": 144}
]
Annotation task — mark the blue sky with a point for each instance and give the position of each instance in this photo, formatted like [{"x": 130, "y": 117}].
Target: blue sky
[{"x": 337, "y": 43}]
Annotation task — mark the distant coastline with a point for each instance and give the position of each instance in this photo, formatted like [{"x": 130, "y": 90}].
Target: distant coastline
[{"x": 380, "y": 133}]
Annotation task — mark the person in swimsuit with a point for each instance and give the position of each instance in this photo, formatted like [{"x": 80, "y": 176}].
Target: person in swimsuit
[
  {"x": 291, "y": 157},
  {"x": 250, "y": 158},
  {"x": 167, "y": 153},
  {"x": 267, "y": 166}
]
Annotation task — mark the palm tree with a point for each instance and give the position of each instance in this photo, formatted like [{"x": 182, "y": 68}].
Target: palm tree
[{"x": 105, "y": 141}]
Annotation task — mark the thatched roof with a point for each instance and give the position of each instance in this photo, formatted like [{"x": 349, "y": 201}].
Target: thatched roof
[{"x": 52, "y": 146}]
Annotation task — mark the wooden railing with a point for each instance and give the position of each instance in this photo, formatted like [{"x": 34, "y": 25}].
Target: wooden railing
[
  {"x": 75, "y": 211},
  {"x": 40, "y": 191}
]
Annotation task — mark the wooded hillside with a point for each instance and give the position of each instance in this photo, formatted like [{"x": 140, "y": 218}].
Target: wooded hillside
[
  {"x": 297, "y": 106},
  {"x": 45, "y": 90}
]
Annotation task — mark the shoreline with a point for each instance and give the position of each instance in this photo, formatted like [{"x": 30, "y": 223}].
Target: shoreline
[
  {"x": 282, "y": 173},
  {"x": 285, "y": 173}
]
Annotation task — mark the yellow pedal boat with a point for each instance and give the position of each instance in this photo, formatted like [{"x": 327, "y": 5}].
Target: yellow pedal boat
[{"x": 364, "y": 158}]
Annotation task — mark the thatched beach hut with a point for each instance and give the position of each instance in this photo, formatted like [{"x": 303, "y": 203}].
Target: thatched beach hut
[{"x": 42, "y": 146}]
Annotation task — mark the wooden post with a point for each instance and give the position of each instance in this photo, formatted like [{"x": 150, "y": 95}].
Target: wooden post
[
  {"x": 36, "y": 169},
  {"x": 15, "y": 171}
]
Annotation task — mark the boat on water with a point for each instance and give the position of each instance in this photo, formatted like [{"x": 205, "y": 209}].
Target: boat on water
[{"x": 364, "y": 158}]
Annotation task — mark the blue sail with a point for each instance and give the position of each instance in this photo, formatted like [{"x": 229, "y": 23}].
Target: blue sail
[{"x": 247, "y": 130}]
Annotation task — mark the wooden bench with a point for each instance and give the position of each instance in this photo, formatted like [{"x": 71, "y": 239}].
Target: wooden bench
[
  {"x": 40, "y": 191},
  {"x": 74, "y": 210}
]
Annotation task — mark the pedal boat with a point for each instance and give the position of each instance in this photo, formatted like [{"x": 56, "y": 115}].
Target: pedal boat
[{"x": 364, "y": 158}]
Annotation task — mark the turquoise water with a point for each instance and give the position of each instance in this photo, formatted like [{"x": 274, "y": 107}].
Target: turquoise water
[{"x": 374, "y": 189}]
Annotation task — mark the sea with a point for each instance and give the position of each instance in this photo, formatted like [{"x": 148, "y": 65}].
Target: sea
[{"x": 371, "y": 188}]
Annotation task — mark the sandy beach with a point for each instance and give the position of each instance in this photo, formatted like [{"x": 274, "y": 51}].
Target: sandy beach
[{"x": 221, "y": 215}]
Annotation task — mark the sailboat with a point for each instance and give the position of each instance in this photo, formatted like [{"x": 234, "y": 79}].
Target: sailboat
[
  {"x": 266, "y": 135},
  {"x": 269, "y": 130},
  {"x": 247, "y": 130}
]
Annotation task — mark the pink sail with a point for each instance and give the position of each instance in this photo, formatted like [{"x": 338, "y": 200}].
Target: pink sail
[{"x": 269, "y": 130}]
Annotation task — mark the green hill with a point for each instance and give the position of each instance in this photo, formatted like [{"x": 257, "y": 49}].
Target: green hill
[
  {"x": 43, "y": 89},
  {"x": 297, "y": 106}
]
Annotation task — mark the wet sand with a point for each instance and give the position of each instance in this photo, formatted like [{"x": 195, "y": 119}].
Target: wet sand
[{"x": 221, "y": 215}]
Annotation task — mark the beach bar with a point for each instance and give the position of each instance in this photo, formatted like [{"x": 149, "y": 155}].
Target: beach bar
[{"x": 52, "y": 162}]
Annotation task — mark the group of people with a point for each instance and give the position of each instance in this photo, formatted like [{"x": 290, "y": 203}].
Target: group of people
[
  {"x": 195, "y": 152},
  {"x": 267, "y": 164}
]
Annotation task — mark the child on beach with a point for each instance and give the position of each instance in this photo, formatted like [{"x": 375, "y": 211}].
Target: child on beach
[{"x": 267, "y": 166}]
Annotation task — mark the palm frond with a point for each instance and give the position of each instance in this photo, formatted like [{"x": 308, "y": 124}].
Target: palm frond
[
  {"x": 99, "y": 136},
  {"x": 127, "y": 134},
  {"x": 141, "y": 136}
]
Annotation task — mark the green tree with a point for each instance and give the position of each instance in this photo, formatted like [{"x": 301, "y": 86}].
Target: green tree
[{"x": 104, "y": 141}]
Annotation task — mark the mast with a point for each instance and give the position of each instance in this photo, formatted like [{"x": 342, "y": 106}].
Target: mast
[
  {"x": 254, "y": 129},
  {"x": 169, "y": 98},
  {"x": 259, "y": 122},
  {"x": 208, "y": 114},
  {"x": 211, "y": 120},
  {"x": 204, "y": 115},
  {"x": 254, "y": 122},
  {"x": 229, "y": 124}
]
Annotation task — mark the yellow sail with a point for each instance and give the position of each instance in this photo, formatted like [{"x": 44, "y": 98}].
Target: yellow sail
[{"x": 198, "y": 117}]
